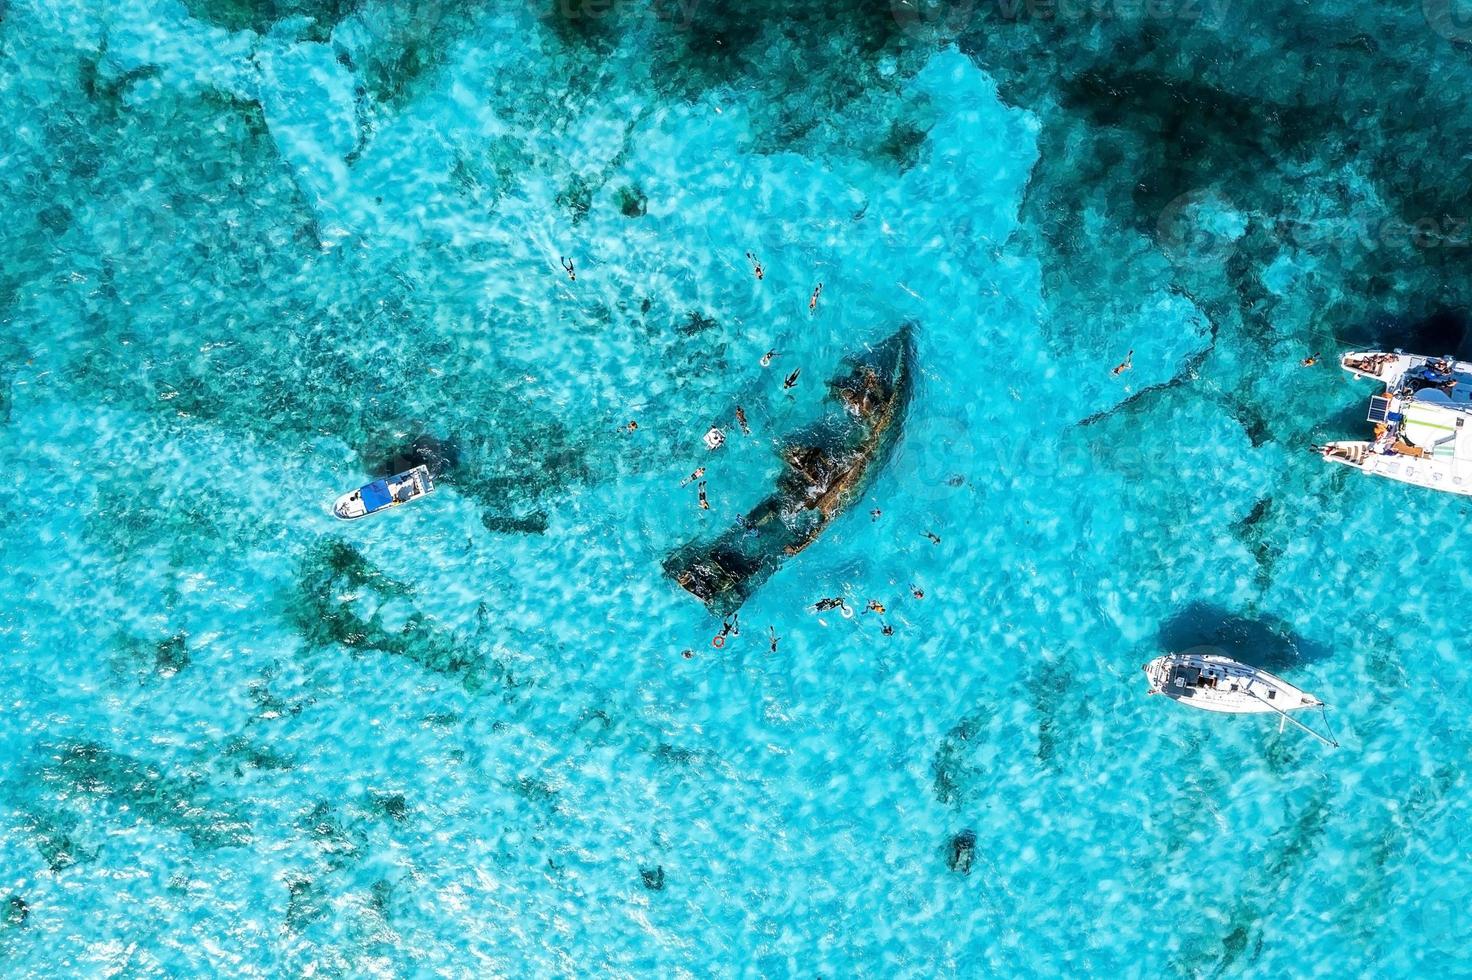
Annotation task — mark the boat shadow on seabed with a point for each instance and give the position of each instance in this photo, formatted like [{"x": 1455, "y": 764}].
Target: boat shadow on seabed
[{"x": 1267, "y": 642}]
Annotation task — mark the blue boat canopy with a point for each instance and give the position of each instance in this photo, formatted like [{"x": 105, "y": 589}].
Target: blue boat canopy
[{"x": 376, "y": 495}]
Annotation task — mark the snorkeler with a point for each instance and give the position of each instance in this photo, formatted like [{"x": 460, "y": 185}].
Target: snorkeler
[
  {"x": 875, "y": 606},
  {"x": 700, "y": 488},
  {"x": 1309, "y": 361},
  {"x": 791, "y": 379},
  {"x": 699, "y": 472},
  {"x": 887, "y": 629},
  {"x": 1124, "y": 365},
  {"x": 767, "y": 357},
  {"x": 567, "y": 266},
  {"x": 773, "y": 631},
  {"x": 741, "y": 421},
  {"x": 632, "y": 426},
  {"x": 823, "y": 605},
  {"x": 934, "y": 538},
  {"x": 874, "y": 514},
  {"x": 756, "y": 266},
  {"x": 813, "y": 302},
  {"x": 918, "y": 593}
]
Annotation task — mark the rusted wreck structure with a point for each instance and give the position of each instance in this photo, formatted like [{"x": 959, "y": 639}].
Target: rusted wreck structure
[{"x": 827, "y": 467}]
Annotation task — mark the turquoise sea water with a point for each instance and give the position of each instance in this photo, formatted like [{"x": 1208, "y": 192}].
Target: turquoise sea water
[{"x": 255, "y": 253}]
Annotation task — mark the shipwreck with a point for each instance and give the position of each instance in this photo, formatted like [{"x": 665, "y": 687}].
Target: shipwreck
[{"x": 827, "y": 466}]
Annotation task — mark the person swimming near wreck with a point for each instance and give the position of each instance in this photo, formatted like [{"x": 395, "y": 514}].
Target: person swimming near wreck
[
  {"x": 767, "y": 357},
  {"x": 836, "y": 602},
  {"x": 756, "y": 266},
  {"x": 741, "y": 421},
  {"x": 1124, "y": 365},
  {"x": 813, "y": 302},
  {"x": 569, "y": 268},
  {"x": 791, "y": 380}
]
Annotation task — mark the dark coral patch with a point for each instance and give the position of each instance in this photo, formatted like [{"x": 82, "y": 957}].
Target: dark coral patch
[{"x": 961, "y": 851}]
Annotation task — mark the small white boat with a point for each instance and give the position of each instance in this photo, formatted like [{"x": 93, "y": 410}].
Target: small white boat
[
  {"x": 1215, "y": 683},
  {"x": 1422, "y": 435},
  {"x": 383, "y": 494}
]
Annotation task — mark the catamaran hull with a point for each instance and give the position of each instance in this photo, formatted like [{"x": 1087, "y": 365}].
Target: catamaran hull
[{"x": 1427, "y": 472}]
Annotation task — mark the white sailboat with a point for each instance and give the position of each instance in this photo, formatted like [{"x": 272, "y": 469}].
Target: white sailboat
[
  {"x": 1212, "y": 682},
  {"x": 1423, "y": 421}
]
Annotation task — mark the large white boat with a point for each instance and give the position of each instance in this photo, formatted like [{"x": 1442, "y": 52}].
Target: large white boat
[
  {"x": 1423, "y": 421},
  {"x": 1213, "y": 682}
]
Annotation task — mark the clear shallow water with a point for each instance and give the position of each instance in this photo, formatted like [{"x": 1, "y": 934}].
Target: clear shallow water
[{"x": 253, "y": 254}]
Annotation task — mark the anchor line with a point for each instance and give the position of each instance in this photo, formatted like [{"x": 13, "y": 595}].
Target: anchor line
[{"x": 1287, "y": 717}]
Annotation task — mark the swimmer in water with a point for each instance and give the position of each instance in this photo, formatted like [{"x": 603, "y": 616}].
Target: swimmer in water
[
  {"x": 756, "y": 266},
  {"x": 918, "y": 593},
  {"x": 934, "y": 539},
  {"x": 741, "y": 421},
  {"x": 874, "y": 514},
  {"x": 567, "y": 266},
  {"x": 823, "y": 605},
  {"x": 699, "y": 472},
  {"x": 772, "y": 630},
  {"x": 1124, "y": 365},
  {"x": 1309, "y": 361},
  {"x": 813, "y": 302},
  {"x": 887, "y": 630},
  {"x": 688, "y": 654},
  {"x": 767, "y": 357},
  {"x": 700, "y": 488},
  {"x": 875, "y": 606},
  {"x": 632, "y": 426},
  {"x": 791, "y": 379}
]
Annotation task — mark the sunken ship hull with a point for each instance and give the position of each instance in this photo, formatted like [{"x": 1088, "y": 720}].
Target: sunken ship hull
[{"x": 827, "y": 466}]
